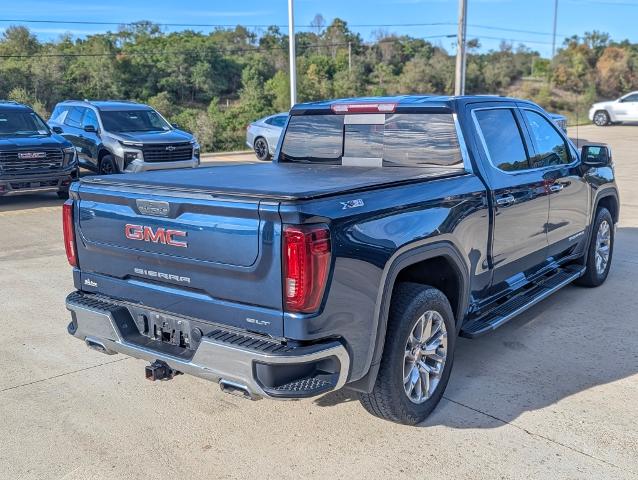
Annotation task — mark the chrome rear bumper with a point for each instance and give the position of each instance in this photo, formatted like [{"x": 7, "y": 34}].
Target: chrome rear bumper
[{"x": 232, "y": 366}]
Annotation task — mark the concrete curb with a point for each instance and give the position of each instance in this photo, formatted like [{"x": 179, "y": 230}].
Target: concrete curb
[{"x": 225, "y": 154}]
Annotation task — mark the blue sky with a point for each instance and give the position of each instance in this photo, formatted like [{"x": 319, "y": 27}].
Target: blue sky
[{"x": 617, "y": 17}]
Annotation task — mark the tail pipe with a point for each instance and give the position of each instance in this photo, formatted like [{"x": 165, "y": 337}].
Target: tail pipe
[
  {"x": 98, "y": 346},
  {"x": 236, "y": 389}
]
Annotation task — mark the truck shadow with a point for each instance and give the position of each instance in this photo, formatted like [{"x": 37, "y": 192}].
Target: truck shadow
[
  {"x": 29, "y": 202},
  {"x": 577, "y": 339}
]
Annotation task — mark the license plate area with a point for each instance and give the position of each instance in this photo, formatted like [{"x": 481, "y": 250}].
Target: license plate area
[{"x": 167, "y": 329}]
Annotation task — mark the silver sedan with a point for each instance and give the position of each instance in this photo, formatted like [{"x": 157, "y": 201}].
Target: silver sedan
[{"x": 262, "y": 135}]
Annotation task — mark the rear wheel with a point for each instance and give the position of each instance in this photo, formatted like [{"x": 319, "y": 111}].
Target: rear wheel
[
  {"x": 601, "y": 248},
  {"x": 601, "y": 118},
  {"x": 261, "y": 149},
  {"x": 107, "y": 165},
  {"x": 417, "y": 356}
]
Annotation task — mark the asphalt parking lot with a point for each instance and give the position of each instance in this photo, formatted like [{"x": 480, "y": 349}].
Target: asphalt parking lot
[{"x": 552, "y": 394}]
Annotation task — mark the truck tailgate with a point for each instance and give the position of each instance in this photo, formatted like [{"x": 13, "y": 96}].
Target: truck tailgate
[{"x": 192, "y": 255}]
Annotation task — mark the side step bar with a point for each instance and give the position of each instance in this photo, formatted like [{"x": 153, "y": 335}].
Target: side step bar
[{"x": 520, "y": 302}]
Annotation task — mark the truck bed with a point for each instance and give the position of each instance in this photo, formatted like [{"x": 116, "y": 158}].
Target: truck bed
[{"x": 277, "y": 181}]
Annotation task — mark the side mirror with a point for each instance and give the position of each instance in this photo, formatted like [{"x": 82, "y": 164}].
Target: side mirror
[
  {"x": 596, "y": 155},
  {"x": 57, "y": 130},
  {"x": 90, "y": 129},
  {"x": 175, "y": 125}
]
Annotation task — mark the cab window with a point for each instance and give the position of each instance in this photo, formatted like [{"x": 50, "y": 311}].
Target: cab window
[
  {"x": 59, "y": 114},
  {"x": 551, "y": 147},
  {"x": 89, "y": 119},
  {"x": 503, "y": 139}
]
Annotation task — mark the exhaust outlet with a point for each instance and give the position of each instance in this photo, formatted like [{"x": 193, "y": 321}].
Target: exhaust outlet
[
  {"x": 236, "y": 389},
  {"x": 98, "y": 346}
]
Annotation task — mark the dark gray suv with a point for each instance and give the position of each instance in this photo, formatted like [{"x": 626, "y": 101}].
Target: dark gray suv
[{"x": 121, "y": 136}]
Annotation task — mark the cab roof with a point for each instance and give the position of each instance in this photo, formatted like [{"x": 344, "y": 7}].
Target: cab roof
[
  {"x": 106, "y": 105},
  {"x": 402, "y": 102},
  {"x": 11, "y": 105}
]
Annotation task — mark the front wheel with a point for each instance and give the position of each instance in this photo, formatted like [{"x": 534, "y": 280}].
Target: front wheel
[
  {"x": 417, "y": 356},
  {"x": 107, "y": 165},
  {"x": 601, "y": 118},
  {"x": 601, "y": 248}
]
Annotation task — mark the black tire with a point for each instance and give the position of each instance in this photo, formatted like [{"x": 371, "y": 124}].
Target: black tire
[
  {"x": 262, "y": 150},
  {"x": 107, "y": 165},
  {"x": 595, "y": 276},
  {"x": 601, "y": 118},
  {"x": 63, "y": 194},
  {"x": 389, "y": 399}
]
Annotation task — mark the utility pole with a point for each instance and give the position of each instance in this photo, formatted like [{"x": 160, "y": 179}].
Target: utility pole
[
  {"x": 459, "y": 84},
  {"x": 292, "y": 57},
  {"x": 554, "y": 34}
]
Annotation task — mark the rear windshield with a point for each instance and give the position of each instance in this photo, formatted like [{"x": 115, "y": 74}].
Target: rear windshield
[
  {"x": 16, "y": 123},
  {"x": 133, "y": 121},
  {"x": 388, "y": 140}
]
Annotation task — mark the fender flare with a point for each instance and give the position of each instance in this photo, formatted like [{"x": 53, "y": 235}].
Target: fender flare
[
  {"x": 603, "y": 193},
  {"x": 403, "y": 258}
]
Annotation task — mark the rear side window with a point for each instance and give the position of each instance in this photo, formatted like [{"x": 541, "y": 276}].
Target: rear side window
[
  {"x": 551, "y": 147},
  {"x": 74, "y": 117},
  {"x": 278, "y": 121},
  {"x": 388, "y": 140},
  {"x": 503, "y": 139}
]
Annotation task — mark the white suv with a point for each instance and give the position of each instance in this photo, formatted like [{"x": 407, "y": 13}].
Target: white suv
[{"x": 624, "y": 109}]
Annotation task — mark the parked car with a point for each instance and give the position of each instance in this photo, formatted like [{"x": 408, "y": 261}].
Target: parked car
[
  {"x": 119, "y": 136},
  {"x": 32, "y": 158},
  {"x": 262, "y": 135},
  {"x": 383, "y": 229},
  {"x": 623, "y": 109},
  {"x": 560, "y": 120}
]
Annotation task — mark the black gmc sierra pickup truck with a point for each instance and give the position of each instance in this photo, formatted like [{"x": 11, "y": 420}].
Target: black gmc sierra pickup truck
[{"x": 383, "y": 229}]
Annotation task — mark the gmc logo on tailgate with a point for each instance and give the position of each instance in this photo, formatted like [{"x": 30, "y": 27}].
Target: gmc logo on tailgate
[{"x": 158, "y": 235}]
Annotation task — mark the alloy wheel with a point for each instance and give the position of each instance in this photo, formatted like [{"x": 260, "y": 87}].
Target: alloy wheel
[
  {"x": 603, "y": 244},
  {"x": 425, "y": 356},
  {"x": 261, "y": 149},
  {"x": 601, "y": 119}
]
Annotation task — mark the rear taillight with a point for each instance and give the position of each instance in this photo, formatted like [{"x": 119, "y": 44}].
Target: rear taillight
[
  {"x": 306, "y": 264},
  {"x": 69, "y": 233}
]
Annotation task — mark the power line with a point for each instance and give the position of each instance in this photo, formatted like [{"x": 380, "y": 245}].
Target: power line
[
  {"x": 228, "y": 25},
  {"x": 213, "y": 25}
]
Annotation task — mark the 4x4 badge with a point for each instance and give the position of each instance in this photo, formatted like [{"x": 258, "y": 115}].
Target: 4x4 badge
[
  {"x": 153, "y": 208},
  {"x": 352, "y": 204}
]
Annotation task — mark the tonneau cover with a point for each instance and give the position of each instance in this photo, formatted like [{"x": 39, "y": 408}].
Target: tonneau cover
[{"x": 281, "y": 181}]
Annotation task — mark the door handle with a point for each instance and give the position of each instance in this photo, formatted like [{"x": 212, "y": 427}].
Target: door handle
[
  {"x": 505, "y": 200},
  {"x": 556, "y": 187}
]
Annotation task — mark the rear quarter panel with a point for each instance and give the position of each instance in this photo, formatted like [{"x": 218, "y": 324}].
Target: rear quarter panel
[{"x": 365, "y": 240}]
